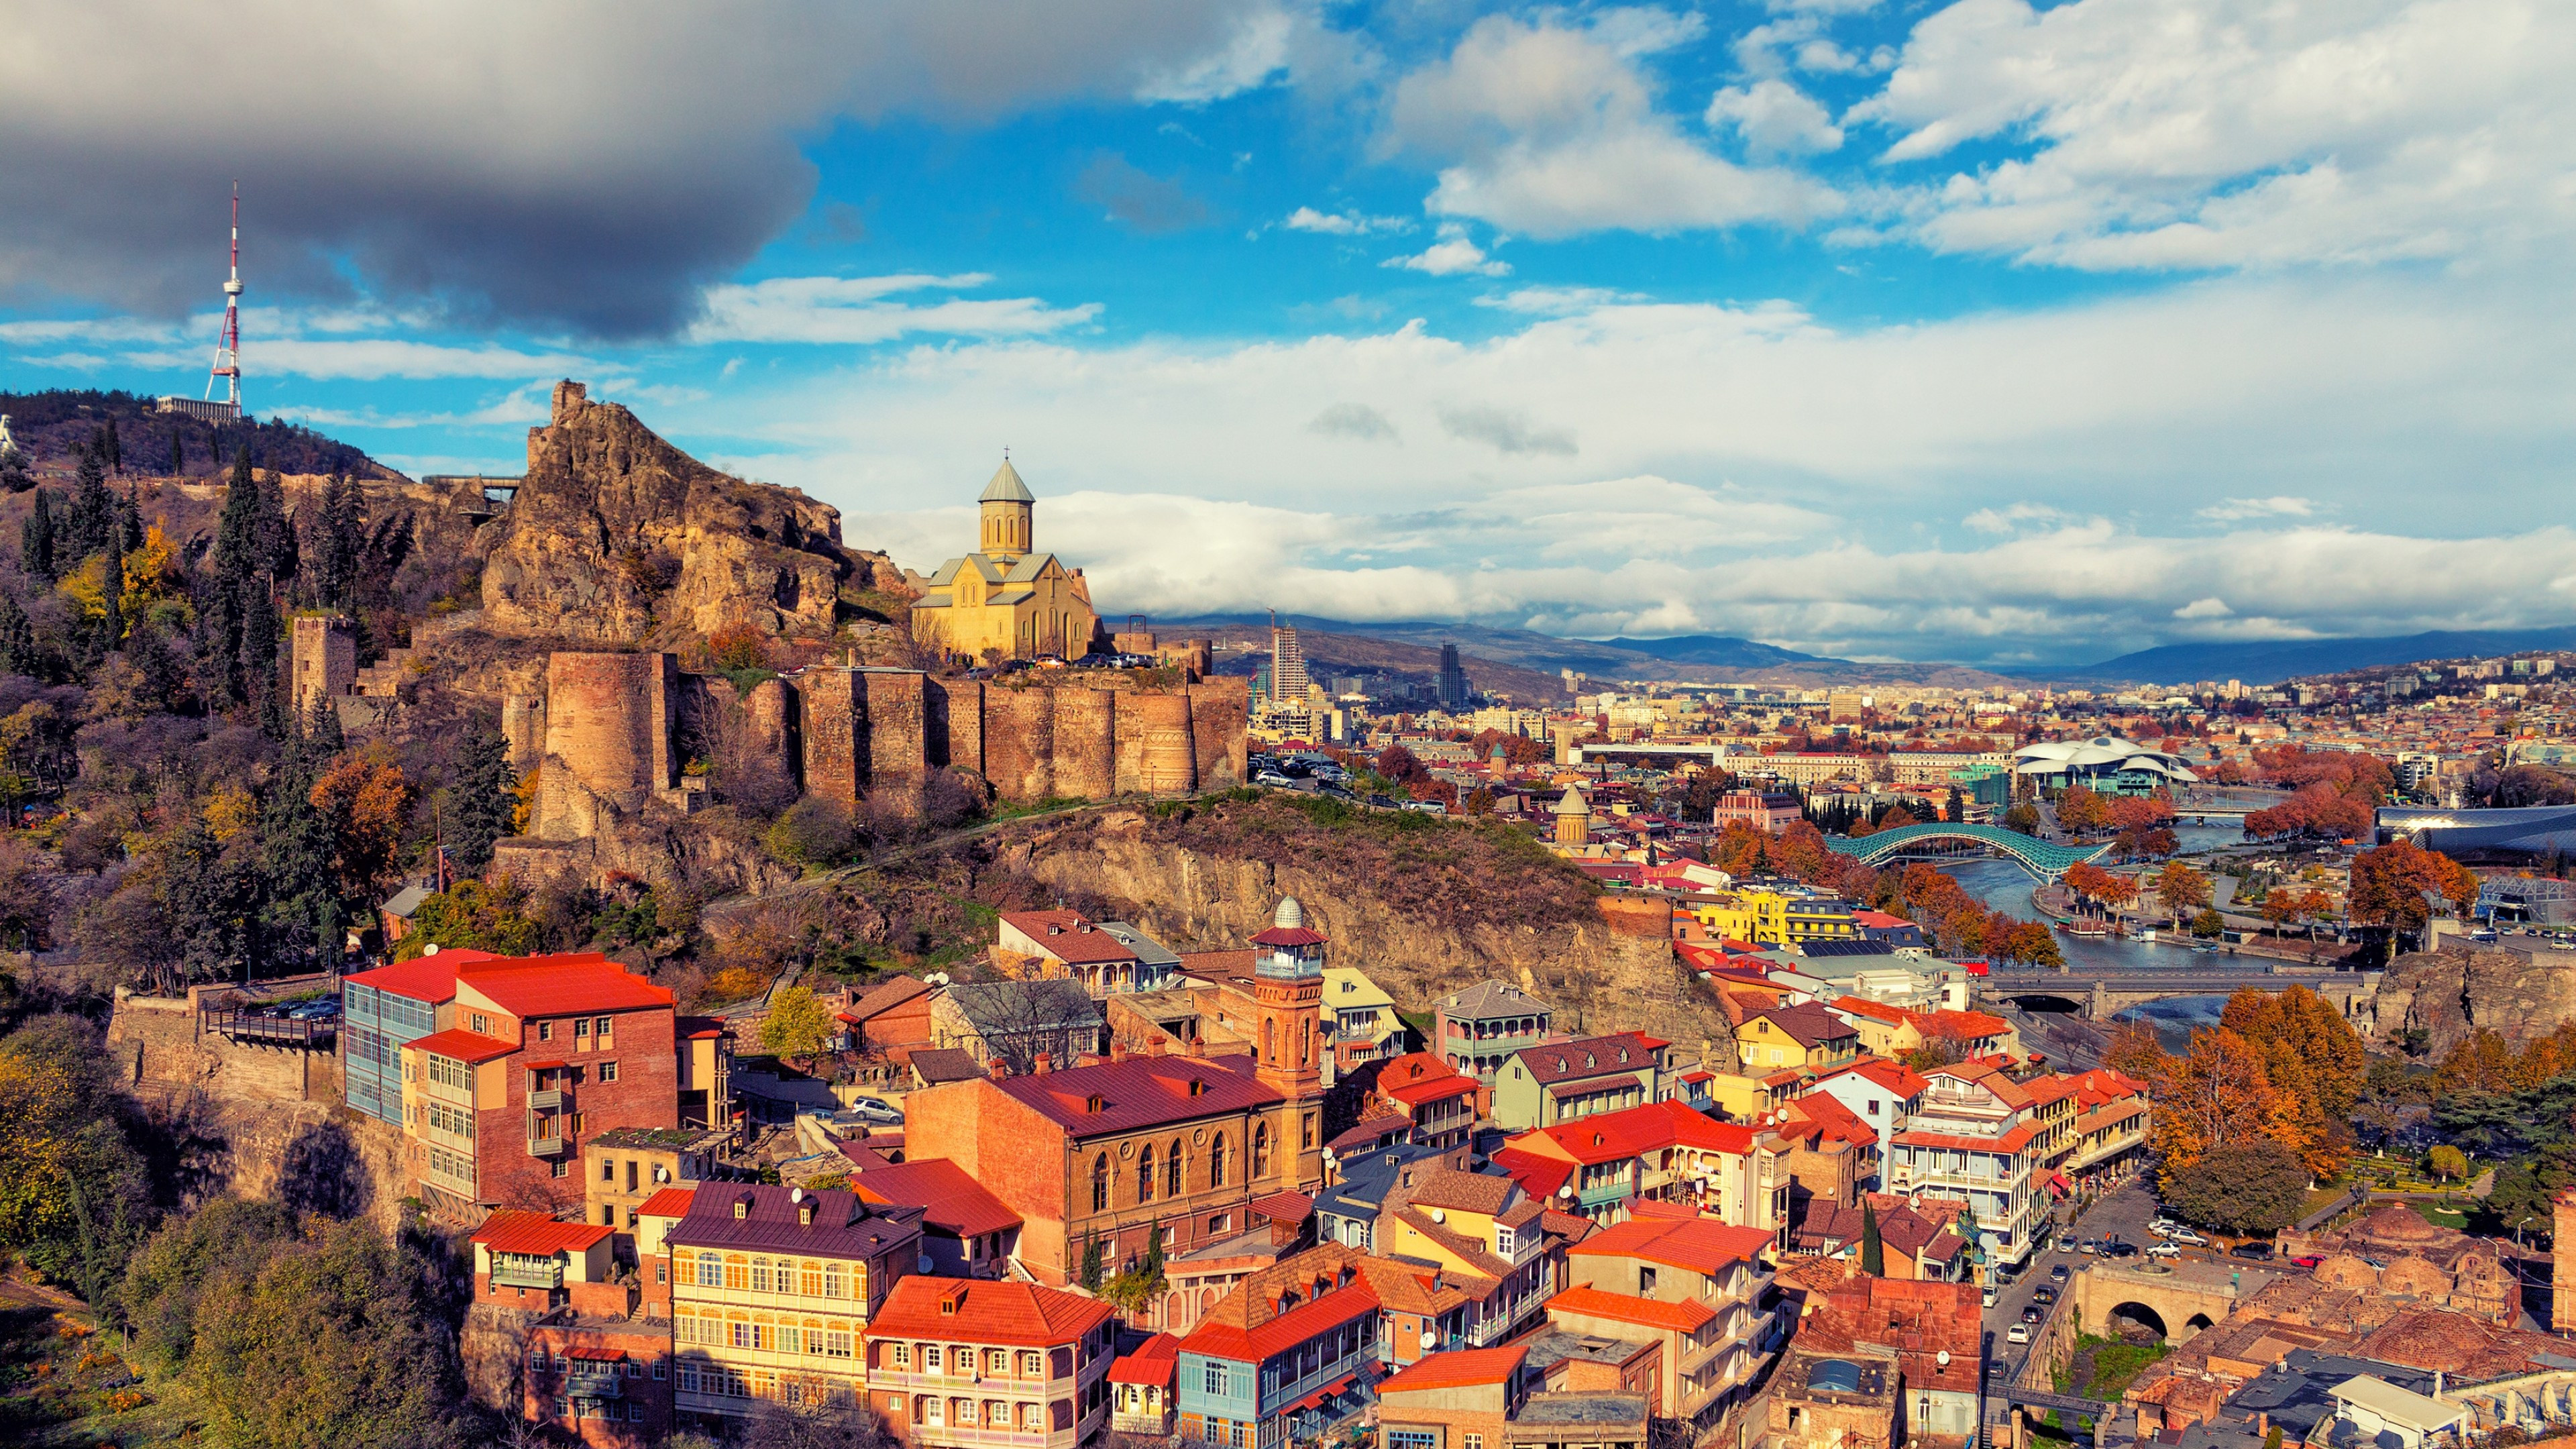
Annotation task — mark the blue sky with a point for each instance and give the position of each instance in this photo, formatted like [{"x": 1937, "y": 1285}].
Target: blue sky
[{"x": 1975, "y": 331}]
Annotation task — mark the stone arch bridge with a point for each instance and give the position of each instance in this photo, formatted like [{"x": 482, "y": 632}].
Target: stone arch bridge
[
  {"x": 2101, "y": 995},
  {"x": 2175, "y": 1300}
]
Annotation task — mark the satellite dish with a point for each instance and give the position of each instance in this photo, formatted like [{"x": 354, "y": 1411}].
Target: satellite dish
[
  {"x": 1566, "y": 1191},
  {"x": 1439, "y": 1215},
  {"x": 1942, "y": 1358},
  {"x": 923, "y": 1264},
  {"x": 430, "y": 950},
  {"x": 796, "y": 1194}
]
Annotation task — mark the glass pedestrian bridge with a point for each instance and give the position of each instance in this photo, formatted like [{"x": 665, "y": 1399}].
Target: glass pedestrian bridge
[{"x": 2044, "y": 859}]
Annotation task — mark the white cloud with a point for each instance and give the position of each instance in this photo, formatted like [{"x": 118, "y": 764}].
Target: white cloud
[
  {"x": 1344, "y": 223},
  {"x": 1759, "y": 473},
  {"x": 2233, "y": 509},
  {"x": 2225, "y": 133},
  {"x": 2014, "y": 518},
  {"x": 1553, "y": 132},
  {"x": 1635, "y": 30},
  {"x": 1456, "y": 257},
  {"x": 1559, "y": 301},
  {"x": 2212, "y": 607},
  {"x": 1775, "y": 118},
  {"x": 854, "y": 310}
]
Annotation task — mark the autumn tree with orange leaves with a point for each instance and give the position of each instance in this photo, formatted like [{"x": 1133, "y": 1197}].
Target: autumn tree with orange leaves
[{"x": 2284, "y": 1070}]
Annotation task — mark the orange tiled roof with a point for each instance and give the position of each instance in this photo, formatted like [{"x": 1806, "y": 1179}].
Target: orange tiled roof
[{"x": 981, "y": 1310}]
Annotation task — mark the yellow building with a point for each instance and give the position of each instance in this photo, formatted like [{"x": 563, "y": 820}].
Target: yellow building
[
  {"x": 1006, "y": 600},
  {"x": 1767, "y": 918},
  {"x": 772, "y": 1289},
  {"x": 1805, "y": 1037}
]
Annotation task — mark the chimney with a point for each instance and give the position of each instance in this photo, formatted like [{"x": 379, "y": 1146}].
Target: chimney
[
  {"x": 999, "y": 1068},
  {"x": 1157, "y": 1044},
  {"x": 1044, "y": 1064},
  {"x": 1117, "y": 1049}
]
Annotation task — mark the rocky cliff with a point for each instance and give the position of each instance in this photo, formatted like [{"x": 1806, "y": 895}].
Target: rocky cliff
[
  {"x": 2457, "y": 990},
  {"x": 618, "y": 537},
  {"x": 1602, "y": 964}
]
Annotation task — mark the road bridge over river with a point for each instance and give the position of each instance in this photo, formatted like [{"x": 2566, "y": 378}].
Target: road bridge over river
[{"x": 2103, "y": 994}]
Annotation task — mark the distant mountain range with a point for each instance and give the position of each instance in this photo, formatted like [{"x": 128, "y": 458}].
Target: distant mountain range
[
  {"x": 2273, "y": 661},
  {"x": 1533, "y": 658}
]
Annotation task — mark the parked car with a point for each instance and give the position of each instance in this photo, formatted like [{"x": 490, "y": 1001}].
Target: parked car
[
  {"x": 2058, "y": 1274},
  {"x": 1988, "y": 1298},
  {"x": 2090, "y": 1247},
  {"x": 2165, "y": 1227},
  {"x": 2259, "y": 1252},
  {"x": 2307, "y": 1260},
  {"x": 876, "y": 1111},
  {"x": 1426, "y": 807},
  {"x": 1273, "y": 779},
  {"x": 2188, "y": 1237},
  {"x": 2164, "y": 1250},
  {"x": 2018, "y": 1333},
  {"x": 2032, "y": 1315},
  {"x": 2043, "y": 1295},
  {"x": 2130, "y": 1250}
]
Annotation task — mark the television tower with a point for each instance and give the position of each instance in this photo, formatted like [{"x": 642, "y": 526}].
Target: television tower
[{"x": 227, "y": 368}]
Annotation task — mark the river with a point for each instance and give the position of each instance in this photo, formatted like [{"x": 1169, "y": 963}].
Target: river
[{"x": 2004, "y": 886}]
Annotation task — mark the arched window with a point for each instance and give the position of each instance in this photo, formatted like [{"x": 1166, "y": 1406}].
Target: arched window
[
  {"x": 810, "y": 1276},
  {"x": 760, "y": 1275},
  {"x": 1216, "y": 1161},
  {"x": 1260, "y": 1150},
  {"x": 737, "y": 1272},
  {"x": 1100, "y": 1183},
  {"x": 1305, "y": 1041},
  {"x": 833, "y": 1282},
  {"x": 710, "y": 1271},
  {"x": 1173, "y": 1166},
  {"x": 1269, "y": 1040},
  {"x": 1145, "y": 1174}
]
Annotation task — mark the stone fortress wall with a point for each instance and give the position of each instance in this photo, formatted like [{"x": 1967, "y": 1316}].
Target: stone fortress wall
[{"x": 612, "y": 732}]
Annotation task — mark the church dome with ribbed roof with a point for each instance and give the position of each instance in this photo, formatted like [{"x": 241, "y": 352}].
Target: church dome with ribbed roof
[
  {"x": 1006, "y": 487},
  {"x": 1290, "y": 916}
]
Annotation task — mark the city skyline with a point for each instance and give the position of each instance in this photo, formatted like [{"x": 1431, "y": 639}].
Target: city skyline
[{"x": 1961, "y": 331}]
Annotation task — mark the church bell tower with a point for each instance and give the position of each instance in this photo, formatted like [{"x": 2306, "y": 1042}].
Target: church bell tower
[
  {"x": 1288, "y": 995},
  {"x": 1009, "y": 529}
]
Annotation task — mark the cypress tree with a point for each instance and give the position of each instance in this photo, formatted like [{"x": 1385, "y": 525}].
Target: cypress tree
[
  {"x": 483, "y": 800},
  {"x": 178, "y": 456},
  {"x": 115, "y": 447},
  {"x": 274, "y": 533},
  {"x": 90, "y": 525},
  {"x": 17, "y": 638},
  {"x": 224, "y": 612},
  {"x": 36, "y": 540},
  {"x": 298, "y": 843},
  {"x": 129, "y": 522},
  {"x": 1873, "y": 1252},
  {"x": 111, "y": 625},
  {"x": 323, "y": 736}
]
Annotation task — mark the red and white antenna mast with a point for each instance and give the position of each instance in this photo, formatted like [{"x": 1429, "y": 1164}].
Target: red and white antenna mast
[{"x": 227, "y": 368}]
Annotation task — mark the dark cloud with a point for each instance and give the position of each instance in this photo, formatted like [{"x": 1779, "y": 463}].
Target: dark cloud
[
  {"x": 1149, "y": 203},
  {"x": 1505, "y": 432},
  {"x": 1353, "y": 420},
  {"x": 584, "y": 165}
]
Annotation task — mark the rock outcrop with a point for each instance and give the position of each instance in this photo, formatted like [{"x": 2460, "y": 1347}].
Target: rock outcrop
[
  {"x": 618, "y": 537},
  {"x": 2458, "y": 990},
  {"x": 1612, "y": 972}
]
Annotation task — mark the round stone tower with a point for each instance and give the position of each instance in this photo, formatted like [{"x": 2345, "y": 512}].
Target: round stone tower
[{"x": 1009, "y": 506}]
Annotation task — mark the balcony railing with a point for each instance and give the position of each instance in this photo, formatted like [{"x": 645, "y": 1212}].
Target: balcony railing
[
  {"x": 545, "y": 1147},
  {"x": 550, "y": 1100},
  {"x": 527, "y": 1273}
]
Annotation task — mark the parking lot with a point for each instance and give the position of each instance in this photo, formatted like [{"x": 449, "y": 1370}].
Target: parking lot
[{"x": 2125, "y": 1215}]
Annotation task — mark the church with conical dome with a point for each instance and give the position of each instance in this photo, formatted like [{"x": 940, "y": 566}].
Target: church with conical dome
[{"x": 1006, "y": 600}]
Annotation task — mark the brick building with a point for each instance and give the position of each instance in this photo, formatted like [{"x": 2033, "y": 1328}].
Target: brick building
[
  {"x": 965, "y": 1363},
  {"x": 533, "y": 1057},
  {"x": 1290, "y": 1353},
  {"x": 1934, "y": 1334},
  {"x": 771, "y": 1288},
  {"x": 1180, "y": 1145},
  {"x": 603, "y": 1379},
  {"x": 624, "y": 1167}
]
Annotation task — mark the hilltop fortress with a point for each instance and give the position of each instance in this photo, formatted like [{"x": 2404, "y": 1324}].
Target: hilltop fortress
[{"x": 608, "y": 566}]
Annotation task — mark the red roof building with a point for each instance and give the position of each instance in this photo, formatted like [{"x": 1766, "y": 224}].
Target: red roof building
[
  {"x": 970, "y": 1362},
  {"x": 1143, "y": 1389},
  {"x": 528, "y": 1059},
  {"x": 966, "y": 1232}
]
